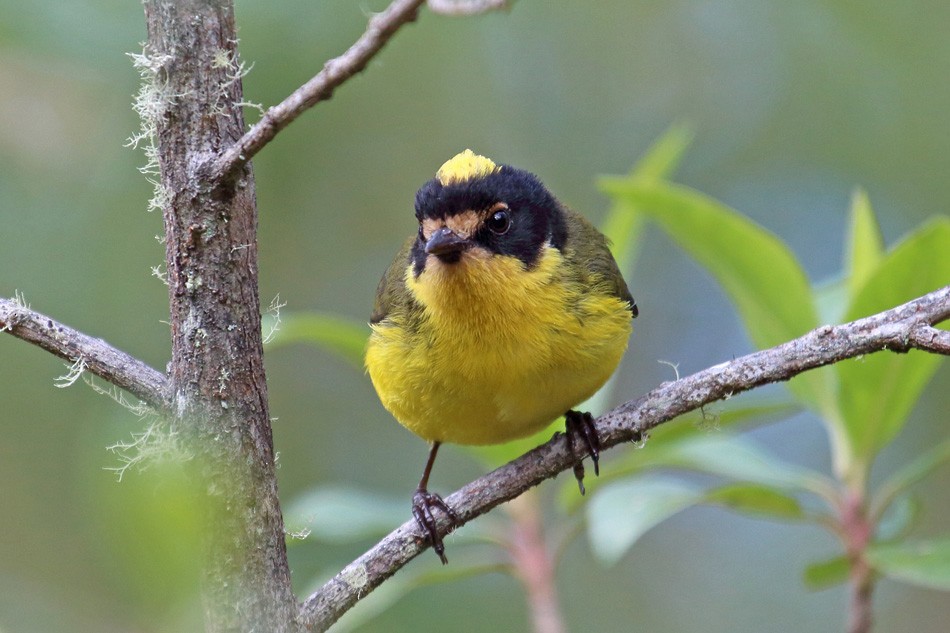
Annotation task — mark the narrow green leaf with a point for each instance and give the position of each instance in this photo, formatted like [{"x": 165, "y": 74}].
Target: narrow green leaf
[
  {"x": 864, "y": 248},
  {"x": 664, "y": 156},
  {"x": 333, "y": 333},
  {"x": 758, "y": 500},
  {"x": 827, "y": 573},
  {"x": 755, "y": 268},
  {"x": 623, "y": 223},
  {"x": 341, "y": 514},
  {"x": 620, "y": 513},
  {"x": 878, "y": 392},
  {"x": 922, "y": 563},
  {"x": 623, "y": 226},
  {"x": 907, "y": 476},
  {"x": 733, "y": 457}
]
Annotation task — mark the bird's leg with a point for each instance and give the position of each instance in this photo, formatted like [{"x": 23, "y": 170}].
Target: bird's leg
[
  {"x": 424, "y": 501},
  {"x": 581, "y": 424}
]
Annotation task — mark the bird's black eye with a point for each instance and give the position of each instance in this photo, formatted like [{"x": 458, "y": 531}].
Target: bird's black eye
[{"x": 498, "y": 222}]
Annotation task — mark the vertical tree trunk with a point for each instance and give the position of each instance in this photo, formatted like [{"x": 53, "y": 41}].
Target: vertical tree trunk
[{"x": 218, "y": 386}]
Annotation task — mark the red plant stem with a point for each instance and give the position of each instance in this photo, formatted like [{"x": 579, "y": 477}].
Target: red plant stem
[
  {"x": 533, "y": 565},
  {"x": 857, "y": 532}
]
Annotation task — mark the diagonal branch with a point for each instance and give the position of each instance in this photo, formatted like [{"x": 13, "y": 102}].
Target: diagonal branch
[
  {"x": 98, "y": 357},
  {"x": 900, "y": 329},
  {"x": 382, "y": 26}
]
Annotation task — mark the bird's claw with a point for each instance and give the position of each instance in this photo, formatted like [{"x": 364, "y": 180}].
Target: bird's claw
[
  {"x": 423, "y": 503},
  {"x": 577, "y": 423}
]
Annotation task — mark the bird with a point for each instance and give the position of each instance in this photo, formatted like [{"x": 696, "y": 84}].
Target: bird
[{"x": 502, "y": 313}]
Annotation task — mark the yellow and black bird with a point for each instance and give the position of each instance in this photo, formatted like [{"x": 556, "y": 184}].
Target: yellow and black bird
[{"x": 504, "y": 312}]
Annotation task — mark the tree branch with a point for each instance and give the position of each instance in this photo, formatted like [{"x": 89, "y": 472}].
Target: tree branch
[
  {"x": 97, "y": 356},
  {"x": 466, "y": 7},
  {"x": 900, "y": 329},
  {"x": 932, "y": 340},
  {"x": 380, "y": 29}
]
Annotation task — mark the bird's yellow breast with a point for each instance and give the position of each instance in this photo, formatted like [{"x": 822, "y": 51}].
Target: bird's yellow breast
[{"x": 497, "y": 350}]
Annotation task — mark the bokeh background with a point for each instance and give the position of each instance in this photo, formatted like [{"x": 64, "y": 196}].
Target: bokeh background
[{"x": 793, "y": 105}]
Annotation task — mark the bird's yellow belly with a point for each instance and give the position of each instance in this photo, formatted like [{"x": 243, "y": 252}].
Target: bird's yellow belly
[
  {"x": 464, "y": 396},
  {"x": 488, "y": 365}
]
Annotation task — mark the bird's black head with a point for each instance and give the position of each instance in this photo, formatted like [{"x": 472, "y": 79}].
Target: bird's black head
[{"x": 474, "y": 204}]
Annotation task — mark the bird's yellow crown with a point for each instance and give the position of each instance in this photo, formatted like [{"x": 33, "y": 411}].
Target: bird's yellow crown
[{"x": 465, "y": 166}]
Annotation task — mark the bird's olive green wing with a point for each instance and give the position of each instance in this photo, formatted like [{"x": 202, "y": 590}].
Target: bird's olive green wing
[
  {"x": 391, "y": 291},
  {"x": 587, "y": 249}
]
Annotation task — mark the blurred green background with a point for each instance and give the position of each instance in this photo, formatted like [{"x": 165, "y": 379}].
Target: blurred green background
[{"x": 793, "y": 105}]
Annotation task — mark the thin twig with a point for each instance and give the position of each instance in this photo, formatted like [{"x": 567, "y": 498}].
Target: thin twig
[
  {"x": 382, "y": 26},
  {"x": 95, "y": 355},
  {"x": 900, "y": 329},
  {"x": 467, "y": 7}
]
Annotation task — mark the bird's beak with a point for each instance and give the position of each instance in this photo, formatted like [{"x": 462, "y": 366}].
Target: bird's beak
[{"x": 444, "y": 242}]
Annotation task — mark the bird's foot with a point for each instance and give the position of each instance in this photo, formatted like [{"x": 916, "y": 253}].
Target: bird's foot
[
  {"x": 581, "y": 424},
  {"x": 423, "y": 503}
]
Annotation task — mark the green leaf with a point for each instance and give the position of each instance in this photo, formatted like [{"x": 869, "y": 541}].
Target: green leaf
[
  {"x": 758, "y": 500},
  {"x": 623, "y": 227},
  {"x": 922, "y": 563},
  {"x": 664, "y": 156},
  {"x": 340, "y": 514},
  {"x": 623, "y": 223},
  {"x": 330, "y": 332},
  {"x": 755, "y": 268},
  {"x": 899, "y": 519},
  {"x": 864, "y": 244},
  {"x": 827, "y": 573},
  {"x": 733, "y": 457},
  {"x": 877, "y": 392},
  {"x": 907, "y": 476},
  {"x": 621, "y": 512}
]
